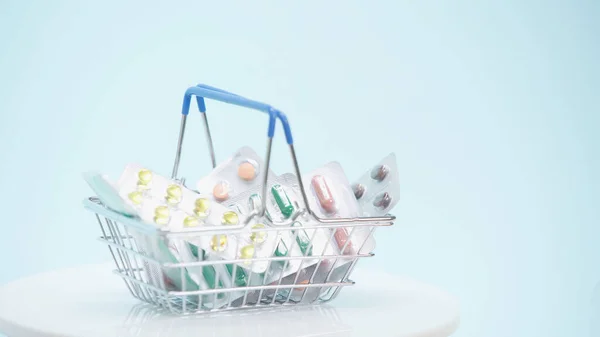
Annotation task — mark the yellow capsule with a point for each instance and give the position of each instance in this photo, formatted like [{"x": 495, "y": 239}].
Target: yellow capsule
[
  {"x": 230, "y": 218},
  {"x": 144, "y": 176},
  {"x": 218, "y": 243},
  {"x": 136, "y": 197},
  {"x": 247, "y": 252},
  {"x": 161, "y": 220},
  {"x": 202, "y": 205},
  {"x": 190, "y": 221},
  {"x": 161, "y": 212},
  {"x": 258, "y": 237},
  {"x": 174, "y": 194},
  {"x": 174, "y": 191}
]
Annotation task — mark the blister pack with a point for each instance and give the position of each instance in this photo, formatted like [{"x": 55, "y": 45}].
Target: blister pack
[
  {"x": 170, "y": 205},
  {"x": 299, "y": 241},
  {"x": 378, "y": 190},
  {"x": 330, "y": 196},
  {"x": 243, "y": 171}
]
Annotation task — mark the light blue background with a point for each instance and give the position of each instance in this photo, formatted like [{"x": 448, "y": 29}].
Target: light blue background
[{"x": 491, "y": 107}]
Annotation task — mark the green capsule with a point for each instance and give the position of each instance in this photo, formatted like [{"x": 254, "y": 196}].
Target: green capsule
[
  {"x": 194, "y": 250},
  {"x": 281, "y": 251},
  {"x": 282, "y": 200},
  {"x": 240, "y": 278},
  {"x": 302, "y": 239}
]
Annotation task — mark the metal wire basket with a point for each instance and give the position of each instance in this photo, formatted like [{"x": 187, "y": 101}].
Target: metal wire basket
[{"x": 154, "y": 274}]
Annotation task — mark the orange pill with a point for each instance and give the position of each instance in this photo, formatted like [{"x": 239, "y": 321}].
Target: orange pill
[
  {"x": 302, "y": 282},
  {"x": 221, "y": 191},
  {"x": 247, "y": 171}
]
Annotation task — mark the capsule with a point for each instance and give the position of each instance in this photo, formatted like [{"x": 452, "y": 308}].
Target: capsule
[
  {"x": 221, "y": 191},
  {"x": 247, "y": 252},
  {"x": 240, "y": 277},
  {"x": 302, "y": 239},
  {"x": 195, "y": 251},
  {"x": 144, "y": 179},
  {"x": 359, "y": 190},
  {"x": 230, "y": 218},
  {"x": 162, "y": 212},
  {"x": 341, "y": 237},
  {"x": 379, "y": 172},
  {"x": 174, "y": 194},
  {"x": 162, "y": 215},
  {"x": 247, "y": 170},
  {"x": 258, "y": 237},
  {"x": 201, "y": 207},
  {"x": 136, "y": 197},
  {"x": 190, "y": 221},
  {"x": 282, "y": 200},
  {"x": 382, "y": 200},
  {"x": 218, "y": 243},
  {"x": 281, "y": 251},
  {"x": 324, "y": 195}
]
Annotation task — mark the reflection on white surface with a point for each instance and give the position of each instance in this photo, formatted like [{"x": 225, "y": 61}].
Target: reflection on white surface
[
  {"x": 145, "y": 320},
  {"x": 91, "y": 301}
]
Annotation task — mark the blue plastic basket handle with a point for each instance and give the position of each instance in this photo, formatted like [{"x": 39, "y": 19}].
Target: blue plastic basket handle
[{"x": 202, "y": 91}]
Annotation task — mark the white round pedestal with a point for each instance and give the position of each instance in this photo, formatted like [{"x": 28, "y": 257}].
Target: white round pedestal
[{"x": 92, "y": 301}]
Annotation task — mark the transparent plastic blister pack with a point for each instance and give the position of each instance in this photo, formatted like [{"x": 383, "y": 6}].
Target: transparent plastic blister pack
[
  {"x": 244, "y": 170},
  {"x": 330, "y": 196},
  {"x": 170, "y": 205},
  {"x": 378, "y": 190}
]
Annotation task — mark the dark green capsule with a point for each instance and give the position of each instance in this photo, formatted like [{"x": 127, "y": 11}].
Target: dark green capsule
[
  {"x": 282, "y": 200},
  {"x": 240, "y": 278},
  {"x": 302, "y": 239},
  {"x": 281, "y": 251}
]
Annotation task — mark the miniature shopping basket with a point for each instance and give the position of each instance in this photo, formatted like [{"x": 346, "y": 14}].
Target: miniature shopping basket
[{"x": 154, "y": 274}]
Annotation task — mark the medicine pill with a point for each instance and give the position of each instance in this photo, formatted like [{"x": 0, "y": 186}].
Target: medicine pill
[
  {"x": 136, "y": 197},
  {"x": 341, "y": 237},
  {"x": 240, "y": 275},
  {"x": 230, "y": 218},
  {"x": 218, "y": 243},
  {"x": 162, "y": 212},
  {"x": 247, "y": 252},
  {"x": 282, "y": 200},
  {"x": 302, "y": 239},
  {"x": 145, "y": 176},
  {"x": 174, "y": 194},
  {"x": 382, "y": 200},
  {"x": 379, "y": 172},
  {"x": 359, "y": 190},
  {"x": 144, "y": 179},
  {"x": 201, "y": 207},
  {"x": 258, "y": 237},
  {"x": 323, "y": 193},
  {"x": 247, "y": 170},
  {"x": 221, "y": 190},
  {"x": 190, "y": 221},
  {"x": 281, "y": 251}
]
